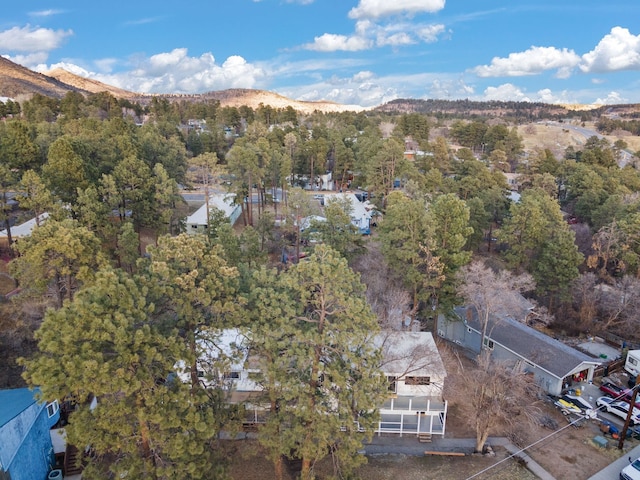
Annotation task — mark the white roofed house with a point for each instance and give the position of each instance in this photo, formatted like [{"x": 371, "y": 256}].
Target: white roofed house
[
  {"x": 416, "y": 375},
  {"x": 411, "y": 363},
  {"x": 198, "y": 222},
  {"x": 361, "y": 212},
  {"x": 225, "y": 363},
  {"x": 23, "y": 230}
]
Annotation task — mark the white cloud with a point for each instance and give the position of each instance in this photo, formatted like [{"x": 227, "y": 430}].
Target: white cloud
[
  {"x": 173, "y": 72},
  {"x": 330, "y": 42},
  {"x": 45, "y": 13},
  {"x": 430, "y": 33},
  {"x": 30, "y": 60},
  {"x": 510, "y": 92},
  {"x": 105, "y": 64},
  {"x": 368, "y": 35},
  {"x": 69, "y": 67},
  {"x": 506, "y": 91},
  {"x": 613, "y": 98},
  {"x": 450, "y": 89},
  {"x": 394, "y": 40},
  {"x": 546, "y": 95},
  {"x": 177, "y": 72},
  {"x": 362, "y": 89},
  {"x": 384, "y": 8},
  {"x": 141, "y": 21},
  {"x": 618, "y": 50},
  {"x": 531, "y": 62},
  {"x": 32, "y": 39},
  {"x": 368, "y": 90}
]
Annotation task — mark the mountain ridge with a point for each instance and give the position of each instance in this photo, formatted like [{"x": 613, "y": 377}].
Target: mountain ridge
[{"x": 20, "y": 83}]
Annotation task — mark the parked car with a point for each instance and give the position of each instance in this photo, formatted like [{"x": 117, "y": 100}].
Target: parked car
[
  {"x": 619, "y": 393},
  {"x": 618, "y": 408},
  {"x": 631, "y": 471},
  {"x": 612, "y": 390},
  {"x": 574, "y": 404}
]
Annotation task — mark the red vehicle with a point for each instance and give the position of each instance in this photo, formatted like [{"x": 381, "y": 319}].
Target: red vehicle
[{"x": 614, "y": 391}]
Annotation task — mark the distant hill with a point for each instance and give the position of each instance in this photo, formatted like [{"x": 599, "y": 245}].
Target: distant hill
[
  {"x": 20, "y": 83},
  {"x": 88, "y": 85},
  {"x": 237, "y": 97},
  {"x": 470, "y": 108},
  {"x": 521, "y": 111}
]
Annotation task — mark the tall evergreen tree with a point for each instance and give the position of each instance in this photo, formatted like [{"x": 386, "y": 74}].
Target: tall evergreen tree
[
  {"x": 106, "y": 346},
  {"x": 324, "y": 366}
]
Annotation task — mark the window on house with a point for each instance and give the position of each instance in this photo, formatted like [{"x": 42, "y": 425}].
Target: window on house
[
  {"x": 488, "y": 343},
  {"x": 633, "y": 361},
  {"x": 52, "y": 408},
  {"x": 417, "y": 381},
  {"x": 231, "y": 375},
  {"x": 392, "y": 384},
  {"x": 200, "y": 374}
]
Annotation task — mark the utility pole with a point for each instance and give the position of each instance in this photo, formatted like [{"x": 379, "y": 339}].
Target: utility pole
[{"x": 632, "y": 402}]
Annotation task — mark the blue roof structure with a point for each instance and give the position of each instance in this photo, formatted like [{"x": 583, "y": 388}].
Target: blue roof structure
[{"x": 14, "y": 401}]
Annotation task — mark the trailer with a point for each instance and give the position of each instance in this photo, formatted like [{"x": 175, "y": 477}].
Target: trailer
[{"x": 632, "y": 363}]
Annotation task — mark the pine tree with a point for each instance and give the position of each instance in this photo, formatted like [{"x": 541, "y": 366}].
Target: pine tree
[
  {"x": 316, "y": 335},
  {"x": 105, "y": 345}
]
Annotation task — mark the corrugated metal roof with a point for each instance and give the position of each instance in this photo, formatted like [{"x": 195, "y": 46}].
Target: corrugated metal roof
[{"x": 536, "y": 347}]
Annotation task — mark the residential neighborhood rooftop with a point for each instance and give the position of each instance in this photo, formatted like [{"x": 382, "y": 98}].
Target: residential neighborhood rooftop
[
  {"x": 547, "y": 352},
  {"x": 14, "y": 401}
]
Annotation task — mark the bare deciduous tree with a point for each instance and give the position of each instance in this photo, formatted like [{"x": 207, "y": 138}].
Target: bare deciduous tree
[
  {"x": 389, "y": 300},
  {"x": 586, "y": 298},
  {"x": 620, "y": 304},
  {"x": 606, "y": 246},
  {"x": 496, "y": 395},
  {"x": 493, "y": 294}
]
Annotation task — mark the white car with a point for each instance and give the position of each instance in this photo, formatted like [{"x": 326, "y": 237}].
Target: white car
[
  {"x": 620, "y": 409},
  {"x": 631, "y": 471}
]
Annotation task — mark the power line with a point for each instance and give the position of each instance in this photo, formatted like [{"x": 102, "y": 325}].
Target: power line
[
  {"x": 523, "y": 449},
  {"x": 541, "y": 440}
]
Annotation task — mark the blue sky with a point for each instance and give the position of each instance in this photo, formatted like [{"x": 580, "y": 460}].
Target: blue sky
[{"x": 356, "y": 52}]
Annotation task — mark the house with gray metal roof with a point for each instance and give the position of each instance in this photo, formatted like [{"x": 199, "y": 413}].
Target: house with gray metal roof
[{"x": 553, "y": 364}]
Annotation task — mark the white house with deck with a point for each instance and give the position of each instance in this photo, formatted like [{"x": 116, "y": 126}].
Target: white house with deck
[
  {"x": 411, "y": 363},
  {"x": 416, "y": 375}
]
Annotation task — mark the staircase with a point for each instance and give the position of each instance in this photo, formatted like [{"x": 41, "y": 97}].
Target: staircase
[
  {"x": 424, "y": 437},
  {"x": 72, "y": 461}
]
